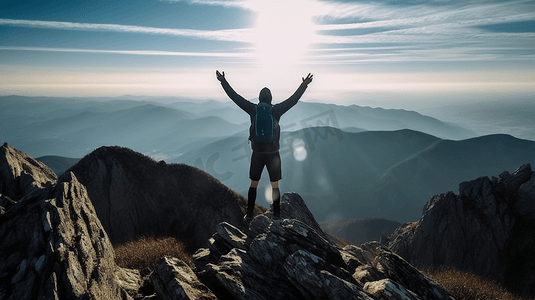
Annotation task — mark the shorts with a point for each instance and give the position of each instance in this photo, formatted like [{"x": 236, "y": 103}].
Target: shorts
[{"x": 271, "y": 160}]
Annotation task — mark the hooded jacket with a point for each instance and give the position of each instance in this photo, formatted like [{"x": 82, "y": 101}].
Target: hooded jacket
[{"x": 278, "y": 110}]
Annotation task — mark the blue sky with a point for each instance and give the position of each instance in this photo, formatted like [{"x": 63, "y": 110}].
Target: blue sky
[{"x": 354, "y": 48}]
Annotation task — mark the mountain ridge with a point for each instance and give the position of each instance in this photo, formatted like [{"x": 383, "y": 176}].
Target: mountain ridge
[
  {"x": 60, "y": 113},
  {"x": 387, "y": 173}
]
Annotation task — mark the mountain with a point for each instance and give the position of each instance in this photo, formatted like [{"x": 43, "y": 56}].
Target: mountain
[
  {"x": 487, "y": 229},
  {"x": 371, "y": 119},
  {"x": 361, "y": 230},
  {"x": 136, "y": 196},
  {"x": 58, "y": 164},
  {"x": 350, "y": 175},
  {"x": 73, "y": 127},
  {"x": 441, "y": 166}
]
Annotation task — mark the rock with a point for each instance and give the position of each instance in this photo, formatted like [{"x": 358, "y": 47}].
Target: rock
[
  {"x": 310, "y": 275},
  {"x": 293, "y": 259},
  {"x": 525, "y": 200},
  {"x": 388, "y": 289},
  {"x": 379, "y": 263},
  {"x": 136, "y": 196},
  {"x": 20, "y": 173},
  {"x": 486, "y": 229},
  {"x": 54, "y": 247},
  {"x": 173, "y": 280}
]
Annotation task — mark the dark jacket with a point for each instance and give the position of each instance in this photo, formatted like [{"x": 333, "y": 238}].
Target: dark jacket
[{"x": 278, "y": 110}]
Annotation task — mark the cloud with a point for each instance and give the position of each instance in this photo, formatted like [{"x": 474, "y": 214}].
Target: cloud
[
  {"x": 233, "y": 35},
  {"x": 128, "y": 52}
]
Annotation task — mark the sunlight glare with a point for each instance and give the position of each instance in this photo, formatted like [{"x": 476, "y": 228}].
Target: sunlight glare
[{"x": 284, "y": 31}]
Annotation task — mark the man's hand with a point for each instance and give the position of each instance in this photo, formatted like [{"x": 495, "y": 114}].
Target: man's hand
[
  {"x": 305, "y": 80},
  {"x": 221, "y": 77}
]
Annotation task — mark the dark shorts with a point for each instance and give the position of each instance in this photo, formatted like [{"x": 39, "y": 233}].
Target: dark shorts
[{"x": 271, "y": 160}]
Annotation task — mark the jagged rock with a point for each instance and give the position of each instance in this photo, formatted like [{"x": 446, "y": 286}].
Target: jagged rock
[
  {"x": 486, "y": 229},
  {"x": 379, "y": 264},
  {"x": 314, "y": 278},
  {"x": 136, "y": 196},
  {"x": 54, "y": 247},
  {"x": 20, "y": 173},
  {"x": 174, "y": 280},
  {"x": 293, "y": 259},
  {"x": 525, "y": 200},
  {"x": 388, "y": 289}
]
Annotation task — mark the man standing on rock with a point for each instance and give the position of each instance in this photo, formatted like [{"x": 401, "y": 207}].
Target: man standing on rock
[{"x": 264, "y": 134}]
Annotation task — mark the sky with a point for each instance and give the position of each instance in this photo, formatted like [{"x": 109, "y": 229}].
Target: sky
[{"x": 387, "y": 51}]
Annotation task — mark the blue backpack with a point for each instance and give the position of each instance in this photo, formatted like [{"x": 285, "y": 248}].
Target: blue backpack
[{"x": 263, "y": 124}]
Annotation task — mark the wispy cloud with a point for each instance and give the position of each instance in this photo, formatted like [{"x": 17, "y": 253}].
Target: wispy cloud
[
  {"x": 233, "y": 35},
  {"x": 127, "y": 52}
]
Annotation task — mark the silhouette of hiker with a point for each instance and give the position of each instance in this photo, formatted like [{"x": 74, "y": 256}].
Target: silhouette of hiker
[{"x": 264, "y": 134}]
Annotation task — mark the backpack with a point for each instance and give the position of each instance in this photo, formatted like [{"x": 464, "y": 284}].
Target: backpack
[{"x": 263, "y": 124}]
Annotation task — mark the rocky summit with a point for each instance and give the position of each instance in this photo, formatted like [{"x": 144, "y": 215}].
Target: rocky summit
[
  {"x": 20, "y": 174},
  {"x": 293, "y": 259},
  {"x": 488, "y": 229}
]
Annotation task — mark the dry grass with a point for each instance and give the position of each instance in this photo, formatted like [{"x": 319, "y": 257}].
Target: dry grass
[
  {"x": 143, "y": 254},
  {"x": 339, "y": 241},
  {"x": 466, "y": 286}
]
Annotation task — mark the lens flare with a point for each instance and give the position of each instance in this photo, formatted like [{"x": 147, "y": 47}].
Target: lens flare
[{"x": 299, "y": 150}]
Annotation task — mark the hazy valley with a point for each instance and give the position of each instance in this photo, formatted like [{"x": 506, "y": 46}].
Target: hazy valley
[{"x": 348, "y": 161}]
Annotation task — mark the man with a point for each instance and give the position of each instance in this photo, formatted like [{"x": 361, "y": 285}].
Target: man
[{"x": 265, "y": 151}]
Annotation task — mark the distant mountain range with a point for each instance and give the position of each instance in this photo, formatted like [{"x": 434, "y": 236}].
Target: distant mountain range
[
  {"x": 73, "y": 127},
  {"x": 346, "y": 161}
]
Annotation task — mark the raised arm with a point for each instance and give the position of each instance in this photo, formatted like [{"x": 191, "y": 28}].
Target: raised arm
[
  {"x": 284, "y": 106},
  {"x": 247, "y": 106}
]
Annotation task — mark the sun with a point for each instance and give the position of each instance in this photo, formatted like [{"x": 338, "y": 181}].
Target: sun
[{"x": 284, "y": 31}]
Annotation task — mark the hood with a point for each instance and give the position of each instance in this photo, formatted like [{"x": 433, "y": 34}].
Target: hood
[{"x": 265, "y": 95}]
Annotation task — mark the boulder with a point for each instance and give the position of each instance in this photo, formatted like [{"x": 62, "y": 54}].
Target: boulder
[
  {"x": 20, "y": 173},
  {"x": 175, "y": 280},
  {"x": 54, "y": 247},
  {"x": 293, "y": 258},
  {"x": 388, "y": 289},
  {"x": 487, "y": 229}
]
